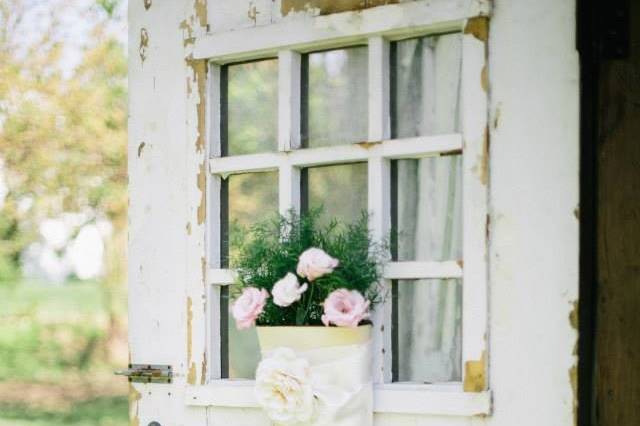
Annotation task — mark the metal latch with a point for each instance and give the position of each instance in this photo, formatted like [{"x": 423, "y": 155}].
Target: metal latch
[{"x": 147, "y": 373}]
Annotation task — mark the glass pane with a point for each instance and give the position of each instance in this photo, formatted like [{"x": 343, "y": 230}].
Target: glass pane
[
  {"x": 427, "y": 330},
  {"x": 251, "y": 198},
  {"x": 428, "y": 208},
  {"x": 336, "y": 97},
  {"x": 252, "y": 107},
  {"x": 426, "y": 86},
  {"x": 340, "y": 189},
  {"x": 244, "y": 351}
]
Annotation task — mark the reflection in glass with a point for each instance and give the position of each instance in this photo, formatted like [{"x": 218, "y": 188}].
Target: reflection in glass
[
  {"x": 252, "y": 107},
  {"x": 341, "y": 190},
  {"x": 428, "y": 208},
  {"x": 251, "y": 198},
  {"x": 336, "y": 97},
  {"x": 426, "y": 85},
  {"x": 427, "y": 330}
]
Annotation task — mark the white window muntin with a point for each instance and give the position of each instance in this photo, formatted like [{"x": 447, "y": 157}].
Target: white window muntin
[{"x": 288, "y": 40}]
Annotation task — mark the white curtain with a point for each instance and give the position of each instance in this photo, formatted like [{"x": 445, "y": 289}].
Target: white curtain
[{"x": 429, "y": 210}]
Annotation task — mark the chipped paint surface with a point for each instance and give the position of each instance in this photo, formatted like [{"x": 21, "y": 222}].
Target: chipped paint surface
[
  {"x": 478, "y": 27},
  {"x": 134, "y": 398},
  {"x": 141, "y": 148},
  {"x": 188, "y": 36},
  {"x": 326, "y": 7},
  {"x": 573, "y": 378},
  {"x": 200, "y": 7},
  {"x": 191, "y": 376},
  {"x": 203, "y": 370},
  {"x": 188, "y": 227},
  {"x": 202, "y": 186},
  {"x": 199, "y": 76},
  {"x": 144, "y": 44},
  {"x": 475, "y": 376},
  {"x": 481, "y": 168},
  {"x": 189, "y": 329},
  {"x": 484, "y": 79},
  {"x": 147, "y": 4}
]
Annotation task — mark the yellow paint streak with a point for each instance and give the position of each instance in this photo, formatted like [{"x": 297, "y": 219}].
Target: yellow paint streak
[
  {"x": 191, "y": 377},
  {"x": 573, "y": 378},
  {"x": 189, "y": 329},
  {"x": 144, "y": 44},
  {"x": 200, "y": 7},
  {"x": 326, "y": 7},
  {"x": 481, "y": 168},
  {"x": 199, "y": 68},
  {"x": 188, "y": 37},
  {"x": 478, "y": 27},
  {"x": 203, "y": 371},
  {"x": 368, "y": 145},
  {"x": 475, "y": 375},
  {"x": 573, "y": 316},
  {"x": 484, "y": 79},
  {"x": 134, "y": 397},
  {"x": 202, "y": 186}
]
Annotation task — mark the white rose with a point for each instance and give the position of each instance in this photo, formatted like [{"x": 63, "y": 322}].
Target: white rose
[
  {"x": 287, "y": 291},
  {"x": 283, "y": 387},
  {"x": 314, "y": 263}
]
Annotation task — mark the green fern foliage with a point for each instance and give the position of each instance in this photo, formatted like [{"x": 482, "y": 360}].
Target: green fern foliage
[{"x": 269, "y": 250}]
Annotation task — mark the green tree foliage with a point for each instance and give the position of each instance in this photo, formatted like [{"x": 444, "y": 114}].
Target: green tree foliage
[{"x": 62, "y": 132}]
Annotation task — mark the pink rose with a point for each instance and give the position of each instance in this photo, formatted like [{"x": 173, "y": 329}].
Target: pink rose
[
  {"x": 248, "y": 307},
  {"x": 345, "y": 308},
  {"x": 314, "y": 263},
  {"x": 287, "y": 290}
]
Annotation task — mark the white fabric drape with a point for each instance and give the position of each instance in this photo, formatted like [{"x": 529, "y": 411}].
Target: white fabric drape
[
  {"x": 429, "y": 210},
  {"x": 341, "y": 383}
]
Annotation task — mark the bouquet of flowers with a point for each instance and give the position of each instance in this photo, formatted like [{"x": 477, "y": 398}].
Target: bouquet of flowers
[
  {"x": 294, "y": 271},
  {"x": 310, "y": 289}
]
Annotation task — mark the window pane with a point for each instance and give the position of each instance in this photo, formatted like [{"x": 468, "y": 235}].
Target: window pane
[
  {"x": 428, "y": 208},
  {"x": 250, "y": 198},
  {"x": 427, "y": 330},
  {"x": 341, "y": 190},
  {"x": 426, "y": 86},
  {"x": 252, "y": 107},
  {"x": 336, "y": 100}
]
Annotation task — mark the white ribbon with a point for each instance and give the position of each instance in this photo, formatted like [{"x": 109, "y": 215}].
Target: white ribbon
[{"x": 340, "y": 379}]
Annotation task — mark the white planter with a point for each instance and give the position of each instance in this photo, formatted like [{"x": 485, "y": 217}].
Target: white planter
[{"x": 339, "y": 360}]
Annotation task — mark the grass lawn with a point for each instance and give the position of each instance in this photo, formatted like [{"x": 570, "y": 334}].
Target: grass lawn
[{"x": 56, "y": 361}]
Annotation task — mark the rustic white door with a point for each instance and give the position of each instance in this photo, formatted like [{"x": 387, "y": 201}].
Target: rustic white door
[{"x": 242, "y": 108}]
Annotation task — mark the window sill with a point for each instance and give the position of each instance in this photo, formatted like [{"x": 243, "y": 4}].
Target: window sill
[{"x": 399, "y": 398}]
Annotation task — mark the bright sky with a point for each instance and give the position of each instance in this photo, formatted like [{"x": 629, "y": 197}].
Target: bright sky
[{"x": 78, "y": 19}]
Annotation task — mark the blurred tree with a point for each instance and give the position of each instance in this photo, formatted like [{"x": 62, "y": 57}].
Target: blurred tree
[{"x": 62, "y": 132}]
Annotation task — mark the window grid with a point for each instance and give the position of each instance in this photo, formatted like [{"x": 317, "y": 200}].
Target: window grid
[{"x": 378, "y": 152}]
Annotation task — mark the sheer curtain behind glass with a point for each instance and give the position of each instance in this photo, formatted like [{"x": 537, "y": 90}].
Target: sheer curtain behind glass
[{"x": 429, "y": 209}]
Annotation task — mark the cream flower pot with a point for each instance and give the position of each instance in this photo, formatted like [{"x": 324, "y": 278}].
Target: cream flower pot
[
  {"x": 333, "y": 364},
  {"x": 304, "y": 338}
]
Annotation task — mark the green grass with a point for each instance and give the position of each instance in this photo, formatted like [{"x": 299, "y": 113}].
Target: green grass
[
  {"x": 53, "y": 364},
  {"x": 105, "y": 411}
]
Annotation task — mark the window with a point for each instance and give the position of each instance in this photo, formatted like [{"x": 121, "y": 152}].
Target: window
[{"x": 391, "y": 118}]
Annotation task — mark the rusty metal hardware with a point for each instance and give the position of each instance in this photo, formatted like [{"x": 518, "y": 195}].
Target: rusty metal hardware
[{"x": 147, "y": 373}]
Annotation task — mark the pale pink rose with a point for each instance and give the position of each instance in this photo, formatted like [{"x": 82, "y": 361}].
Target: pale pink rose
[
  {"x": 287, "y": 290},
  {"x": 345, "y": 308},
  {"x": 314, "y": 263},
  {"x": 248, "y": 307}
]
